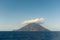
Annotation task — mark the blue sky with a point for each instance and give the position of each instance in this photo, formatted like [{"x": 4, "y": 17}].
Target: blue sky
[{"x": 13, "y": 12}]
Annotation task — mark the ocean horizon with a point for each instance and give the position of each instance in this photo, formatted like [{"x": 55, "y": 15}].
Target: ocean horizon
[{"x": 29, "y": 35}]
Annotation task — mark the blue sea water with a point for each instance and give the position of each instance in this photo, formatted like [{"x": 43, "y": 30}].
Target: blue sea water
[{"x": 24, "y": 35}]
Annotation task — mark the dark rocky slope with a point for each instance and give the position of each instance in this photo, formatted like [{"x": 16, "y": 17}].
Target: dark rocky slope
[{"x": 33, "y": 27}]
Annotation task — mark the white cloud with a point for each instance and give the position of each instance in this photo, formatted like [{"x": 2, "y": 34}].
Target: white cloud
[{"x": 37, "y": 20}]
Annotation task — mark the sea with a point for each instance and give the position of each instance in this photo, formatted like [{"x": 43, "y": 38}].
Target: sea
[{"x": 29, "y": 35}]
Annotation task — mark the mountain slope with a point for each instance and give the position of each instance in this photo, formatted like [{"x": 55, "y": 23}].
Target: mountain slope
[{"x": 33, "y": 27}]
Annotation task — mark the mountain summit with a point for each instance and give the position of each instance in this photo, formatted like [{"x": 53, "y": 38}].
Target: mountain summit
[{"x": 33, "y": 27}]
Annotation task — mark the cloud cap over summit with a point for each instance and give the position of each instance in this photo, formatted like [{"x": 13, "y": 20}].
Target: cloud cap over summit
[{"x": 37, "y": 20}]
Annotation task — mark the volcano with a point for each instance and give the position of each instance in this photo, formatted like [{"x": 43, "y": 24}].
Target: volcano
[{"x": 33, "y": 27}]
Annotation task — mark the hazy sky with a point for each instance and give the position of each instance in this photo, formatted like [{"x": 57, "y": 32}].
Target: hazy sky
[{"x": 13, "y": 12}]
